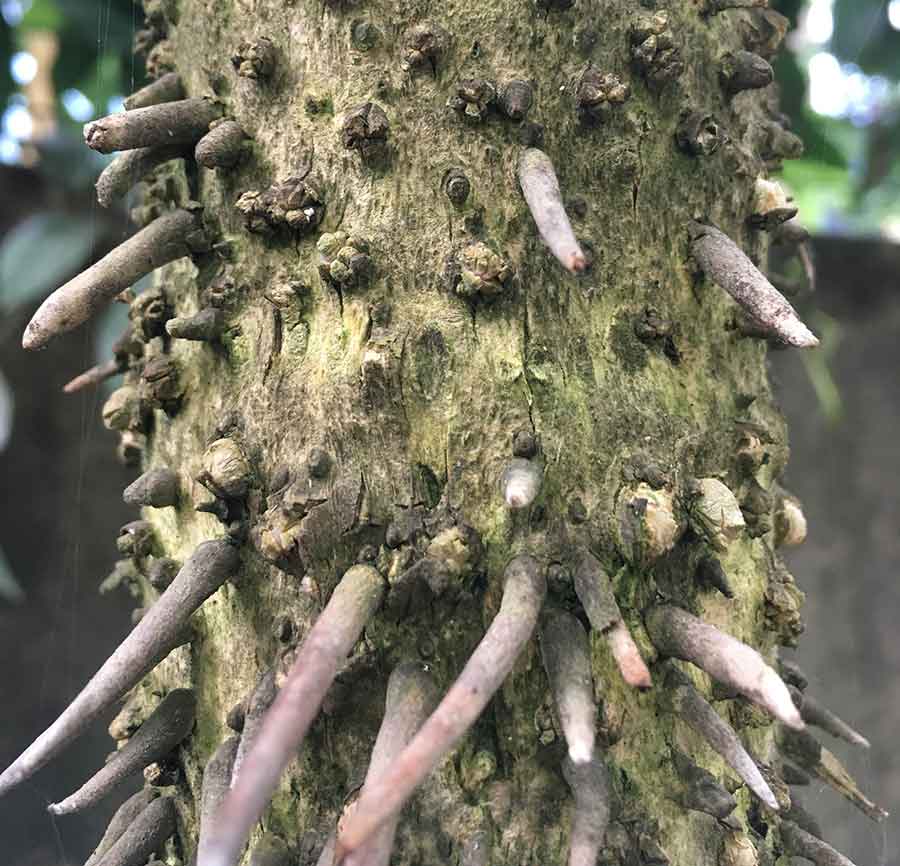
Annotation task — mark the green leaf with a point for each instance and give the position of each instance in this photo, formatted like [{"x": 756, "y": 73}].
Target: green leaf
[
  {"x": 40, "y": 253},
  {"x": 818, "y": 367},
  {"x": 43, "y": 15},
  {"x": 820, "y": 191}
]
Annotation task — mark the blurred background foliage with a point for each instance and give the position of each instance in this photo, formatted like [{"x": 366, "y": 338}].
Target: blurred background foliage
[
  {"x": 840, "y": 85},
  {"x": 62, "y": 63}
]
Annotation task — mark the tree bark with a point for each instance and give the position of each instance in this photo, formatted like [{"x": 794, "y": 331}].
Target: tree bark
[{"x": 432, "y": 343}]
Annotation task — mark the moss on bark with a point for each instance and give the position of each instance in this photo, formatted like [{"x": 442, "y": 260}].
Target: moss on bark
[{"x": 416, "y": 375}]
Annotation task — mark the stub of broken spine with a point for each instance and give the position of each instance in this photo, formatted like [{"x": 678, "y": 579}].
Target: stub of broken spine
[
  {"x": 816, "y": 714},
  {"x": 221, "y": 147},
  {"x": 94, "y": 376},
  {"x": 168, "y": 88},
  {"x": 567, "y": 660},
  {"x": 167, "y": 238},
  {"x": 799, "y": 843},
  {"x": 352, "y": 604},
  {"x": 411, "y": 697},
  {"x": 723, "y": 261},
  {"x": 811, "y": 755},
  {"x": 596, "y": 596},
  {"x": 167, "y": 726},
  {"x": 156, "y": 488},
  {"x": 590, "y": 789},
  {"x": 677, "y": 633},
  {"x": 541, "y": 190},
  {"x": 129, "y": 168},
  {"x": 161, "y": 630},
  {"x": 144, "y": 836},
  {"x": 523, "y": 594},
  {"x": 183, "y": 122},
  {"x": 693, "y": 709}
]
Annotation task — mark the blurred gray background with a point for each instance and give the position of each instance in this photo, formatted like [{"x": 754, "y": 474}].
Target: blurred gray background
[{"x": 846, "y": 474}]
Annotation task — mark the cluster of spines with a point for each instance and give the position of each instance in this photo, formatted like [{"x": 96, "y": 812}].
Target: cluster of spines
[{"x": 162, "y": 125}]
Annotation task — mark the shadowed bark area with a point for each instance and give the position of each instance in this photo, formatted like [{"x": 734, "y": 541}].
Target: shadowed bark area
[{"x": 395, "y": 338}]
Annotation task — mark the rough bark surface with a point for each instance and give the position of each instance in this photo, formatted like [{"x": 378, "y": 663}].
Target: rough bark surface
[{"x": 416, "y": 373}]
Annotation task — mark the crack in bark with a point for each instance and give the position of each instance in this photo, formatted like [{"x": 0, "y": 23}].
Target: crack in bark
[
  {"x": 526, "y": 340},
  {"x": 277, "y": 341},
  {"x": 400, "y": 376},
  {"x": 636, "y": 185}
]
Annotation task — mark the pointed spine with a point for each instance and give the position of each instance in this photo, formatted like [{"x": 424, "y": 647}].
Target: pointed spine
[
  {"x": 677, "y": 633},
  {"x": 811, "y": 755},
  {"x": 352, "y": 604},
  {"x": 161, "y": 242},
  {"x": 94, "y": 376},
  {"x": 799, "y": 843},
  {"x": 793, "y": 775},
  {"x": 168, "y": 88},
  {"x": 121, "y": 820},
  {"x": 725, "y": 263},
  {"x": 792, "y": 674},
  {"x": 183, "y": 122},
  {"x": 695, "y": 711},
  {"x": 628, "y": 657},
  {"x": 711, "y": 573},
  {"x": 260, "y": 701},
  {"x": 591, "y": 791},
  {"x": 567, "y": 661},
  {"x": 493, "y": 659},
  {"x": 217, "y": 779},
  {"x": 144, "y": 836},
  {"x": 167, "y": 726},
  {"x": 595, "y": 593},
  {"x": 411, "y": 697},
  {"x": 326, "y": 855},
  {"x": 813, "y": 713},
  {"x": 541, "y": 190},
  {"x": 204, "y": 327},
  {"x": 151, "y": 640},
  {"x": 701, "y": 791},
  {"x": 156, "y": 488},
  {"x": 130, "y": 168}
]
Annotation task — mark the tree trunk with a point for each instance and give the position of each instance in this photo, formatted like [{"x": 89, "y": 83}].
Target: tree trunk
[{"x": 382, "y": 386}]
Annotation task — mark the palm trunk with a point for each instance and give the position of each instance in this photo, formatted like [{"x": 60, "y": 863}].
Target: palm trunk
[{"x": 408, "y": 378}]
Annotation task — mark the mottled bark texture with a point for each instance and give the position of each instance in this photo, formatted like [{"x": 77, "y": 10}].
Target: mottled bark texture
[{"x": 396, "y": 332}]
